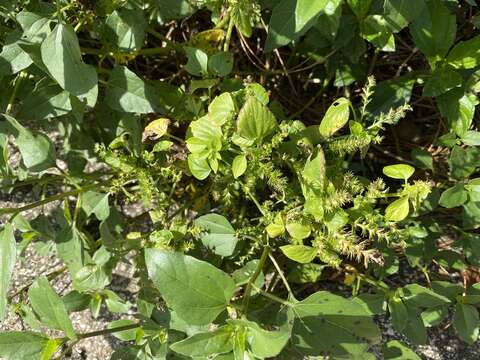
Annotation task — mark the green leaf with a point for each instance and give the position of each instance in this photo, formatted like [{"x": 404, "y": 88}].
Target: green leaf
[
  {"x": 22, "y": 345},
  {"x": 124, "y": 29},
  {"x": 443, "y": 79},
  {"x": 391, "y": 94},
  {"x": 255, "y": 120},
  {"x": 299, "y": 253},
  {"x": 220, "y": 64},
  {"x": 471, "y": 138},
  {"x": 49, "y": 307},
  {"x": 239, "y": 166},
  {"x": 298, "y": 231},
  {"x": 221, "y": 109},
  {"x": 198, "y": 167},
  {"x": 96, "y": 203},
  {"x": 220, "y": 236},
  {"x": 421, "y": 297},
  {"x": 70, "y": 249},
  {"x": 399, "y": 171},
  {"x": 212, "y": 343},
  {"x": 360, "y": 7},
  {"x": 38, "y": 152},
  {"x": 396, "y": 350},
  {"x": 466, "y": 322},
  {"x": 377, "y": 31},
  {"x": 46, "y": 101},
  {"x": 335, "y": 118},
  {"x": 62, "y": 57},
  {"x": 422, "y": 158},
  {"x": 126, "y": 335},
  {"x": 13, "y": 59},
  {"x": 462, "y": 162},
  {"x": 454, "y": 196},
  {"x": 7, "y": 263},
  {"x": 305, "y": 273},
  {"x": 243, "y": 275},
  {"x": 330, "y": 323},
  {"x": 126, "y": 92},
  {"x": 434, "y": 30},
  {"x": 415, "y": 329},
  {"x": 291, "y": 19},
  {"x": 465, "y": 54},
  {"x": 398, "y": 313},
  {"x": 399, "y": 13},
  {"x": 397, "y": 210},
  {"x": 196, "y": 290},
  {"x": 458, "y": 108},
  {"x": 197, "y": 62}
]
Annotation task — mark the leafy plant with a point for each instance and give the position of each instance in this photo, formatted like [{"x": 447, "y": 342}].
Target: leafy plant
[{"x": 267, "y": 163}]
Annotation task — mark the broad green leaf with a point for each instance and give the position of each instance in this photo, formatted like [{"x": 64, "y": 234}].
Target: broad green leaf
[
  {"x": 221, "y": 109},
  {"x": 62, "y": 57},
  {"x": 396, "y": 350},
  {"x": 243, "y": 275},
  {"x": 95, "y": 203},
  {"x": 22, "y": 345},
  {"x": 263, "y": 343},
  {"x": 124, "y": 29},
  {"x": 422, "y": 158},
  {"x": 126, "y": 92},
  {"x": 465, "y": 54},
  {"x": 38, "y": 152},
  {"x": 471, "y": 138},
  {"x": 197, "y": 62},
  {"x": 75, "y": 301},
  {"x": 335, "y": 118},
  {"x": 46, "y": 101},
  {"x": 49, "y": 307},
  {"x": 330, "y": 323},
  {"x": 458, "y": 108},
  {"x": 399, "y": 13},
  {"x": 313, "y": 184},
  {"x": 70, "y": 249},
  {"x": 421, "y": 297},
  {"x": 291, "y": 19},
  {"x": 196, "y": 290},
  {"x": 50, "y": 348},
  {"x": 442, "y": 80},
  {"x": 13, "y": 59},
  {"x": 415, "y": 329},
  {"x": 305, "y": 273},
  {"x": 126, "y": 335},
  {"x": 397, "y": 210},
  {"x": 298, "y": 231},
  {"x": 462, "y": 162},
  {"x": 7, "y": 263},
  {"x": 434, "y": 30},
  {"x": 360, "y": 7},
  {"x": 255, "y": 120},
  {"x": 239, "y": 166},
  {"x": 377, "y": 31},
  {"x": 454, "y": 196},
  {"x": 198, "y": 167},
  {"x": 398, "y": 313},
  {"x": 299, "y": 253},
  {"x": 220, "y": 64},
  {"x": 466, "y": 322},
  {"x": 399, "y": 171},
  {"x": 390, "y": 94},
  {"x": 219, "y": 236},
  {"x": 212, "y": 343}
]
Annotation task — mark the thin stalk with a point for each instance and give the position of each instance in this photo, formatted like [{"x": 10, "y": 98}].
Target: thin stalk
[
  {"x": 108, "y": 331},
  {"x": 253, "y": 278},
  {"x": 254, "y": 199},
  {"x": 18, "y": 81},
  {"x": 282, "y": 275},
  {"x": 228, "y": 37},
  {"x": 272, "y": 297}
]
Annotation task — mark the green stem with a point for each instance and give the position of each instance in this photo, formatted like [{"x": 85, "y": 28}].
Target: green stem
[
  {"x": 282, "y": 276},
  {"x": 18, "y": 81},
  {"x": 231, "y": 23},
  {"x": 253, "y": 278},
  {"x": 108, "y": 331},
  {"x": 254, "y": 199},
  {"x": 272, "y": 297}
]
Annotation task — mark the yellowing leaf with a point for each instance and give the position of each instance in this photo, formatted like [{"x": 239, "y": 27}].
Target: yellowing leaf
[
  {"x": 156, "y": 129},
  {"x": 335, "y": 118}
]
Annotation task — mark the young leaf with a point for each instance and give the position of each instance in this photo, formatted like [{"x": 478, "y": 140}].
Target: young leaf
[
  {"x": 198, "y": 167},
  {"x": 124, "y": 29},
  {"x": 95, "y": 203},
  {"x": 329, "y": 323},
  {"x": 196, "y": 290},
  {"x": 19, "y": 345},
  {"x": 443, "y": 79},
  {"x": 197, "y": 61},
  {"x": 458, "y": 108},
  {"x": 7, "y": 262},
  {"x": 239, "y": 166},
  {"x": 49, "y": 307},
  {"x": 299, "y": 253},
  {"x": 62, "y": 57},
  {"x": 397, "y": 210},
  {"x": 212, "y": 343},
  {"x": 396, "y": 350},
  {"x": 220, "y": 235},
  {"x": 422, "y": 158},
  {"x": 466, "y": 322},
  {"x": 335, "y": 118},
  {"x": 298, "y": 231},
  {"x": 255, "y": 120},
  {"x": 290, "y": 20},
  {"x": 454, "y": 196},
  {"x": 466, "y": 54},
  {"x": 38, "y": 152},
  {"x": 400, "y": 171},
  {"x": 398, "y": 313},
  {"x": 221, "y": 109}
]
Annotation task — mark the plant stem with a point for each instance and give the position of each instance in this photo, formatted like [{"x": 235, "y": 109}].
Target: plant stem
[
  {"x": 108, "y": 331},
  {"x": 282, "y": 276},
  {"x": 231, "y": 23},
  {"x": 254, "y": 199},
  {"x": 18, "y": 81},
  {"x": 272, "y": 297},
  {"x": 253, "y": 278}
]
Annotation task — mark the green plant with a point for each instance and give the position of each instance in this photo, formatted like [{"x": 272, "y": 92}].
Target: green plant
[{"x": 247, "y": 211}]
